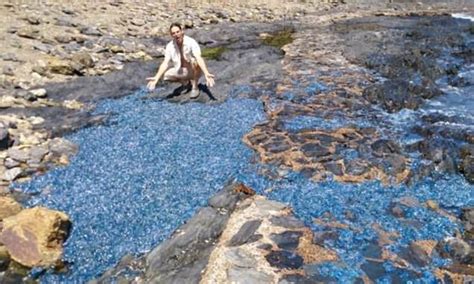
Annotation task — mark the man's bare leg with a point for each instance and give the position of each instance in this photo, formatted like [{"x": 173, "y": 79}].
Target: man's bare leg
[{"x": 195, "y": 80}]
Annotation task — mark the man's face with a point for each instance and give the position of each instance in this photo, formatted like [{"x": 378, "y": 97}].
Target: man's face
[{"x": 177, "y": 34}]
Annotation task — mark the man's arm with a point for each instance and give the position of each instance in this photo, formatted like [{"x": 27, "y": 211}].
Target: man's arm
[
  {"x": 202, "y": 65},
  {"x": 154, "y": 80}
]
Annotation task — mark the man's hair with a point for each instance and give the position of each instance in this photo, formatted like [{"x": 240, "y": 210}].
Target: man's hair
[{"x": 178, "y": 25}]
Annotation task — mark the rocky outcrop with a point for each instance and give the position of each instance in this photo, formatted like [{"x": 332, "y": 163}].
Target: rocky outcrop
[{"x": 34, "y": 237}]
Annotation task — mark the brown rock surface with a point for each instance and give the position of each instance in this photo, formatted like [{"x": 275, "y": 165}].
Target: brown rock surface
[
  {"x": 35, "y": 236},
  {"x": 8, "y": 207}
]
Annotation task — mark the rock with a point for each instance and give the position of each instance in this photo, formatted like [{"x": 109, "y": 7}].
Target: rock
[
  {"x": 4, "y": 259},
  {"x": 84, "y": 59},
  {"x": 91, "y": 31},
  {"x": 138, "y": 22},
  {"x": 8, "y": 207},
  {"x": 315, "y": 150},
  {"x": 12, "y": 174},
  {"x": 269, "y": 205},
  {"x": 467, "y": 168},
  {"x": 456, "y": 248},
  {"x": 10, "y": 163},
  {"x": 240, "y": 258},
  {"x": 288, "y": 240},
  {"x": 39, "y": 93},
  {"x": 10, "y": 57},
  {"x": 245, "y": 233},
  {"x": 33, "y": 20},
  {"x": 8, "y": 70},
  {"x": 60, "y": 66},
  {"x": 385, "y": 146},
  {"x": 35, "y": 236},
  {"x": 244, "y": 276},
  {"x": 421, "y": 251},
  {"x": 284, "y": 259},
  {"x": 4, "y": 138},
  {"x": 289, "y": 222},
  {"x": 28, "y": 32},
  {"x": 63, "y": 38},
  {"x": 18, "y": 154}
]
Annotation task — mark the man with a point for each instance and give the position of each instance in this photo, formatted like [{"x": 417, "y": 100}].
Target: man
[{"x": 188, "y": 67}]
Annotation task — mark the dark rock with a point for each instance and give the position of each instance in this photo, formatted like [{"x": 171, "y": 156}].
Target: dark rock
[
  {"x": 315, "y": 150},
  {"x": 284, "y": 259},
  {"x": 267, "y": 247},
  {"x": 276, "y": 147},
  {"x": 226, "y": 198},
  {"x": 288, "y": 240},
  {"x": 245, "y": 233},
  {"x": 240, "y": 258},
  {"x": 373, "y": 250},
  {"x": 467, "y": 168},
  {"x": 385, "y": 146},
  {"x": 296, "y": 279},
  {"x": 356, "y": 167},
  {"x": 4, "y": 138},
  {"x": 320, "y": 237},
  {"x": 289, "y": 222},
  {"x": 335, "y": 168},
  {"x": 457, "y": 249}
]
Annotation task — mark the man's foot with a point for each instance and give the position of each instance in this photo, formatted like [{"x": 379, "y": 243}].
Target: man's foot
[{"x": 194, "y": 93}]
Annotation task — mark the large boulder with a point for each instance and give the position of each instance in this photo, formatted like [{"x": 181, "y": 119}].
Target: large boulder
[{"x": 35, "y": 236}]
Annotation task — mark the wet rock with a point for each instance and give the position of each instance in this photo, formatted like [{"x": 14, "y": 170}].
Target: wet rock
[
  {"x": 245, "y": 233},
  {"x": 288, "y": 240},
  {"x": 315, "y": 150},
  {"x": 420, "y": 252},
  {"x": 385, "y": 146},
  {"x": 244, "y": 276},
  {"x": 289, "y": 222},
  {"x": 335, "y": 168},
  {"x": 34, "y": 237},
  {"x": 356, "y": 167},
  {"x": 8, "y": 207},
  {"x": 467, "y": 168},
  {"x": 284, "y": 259},
  {"x": 373, "y": 250},
  {"x": 456, "y": 248}
]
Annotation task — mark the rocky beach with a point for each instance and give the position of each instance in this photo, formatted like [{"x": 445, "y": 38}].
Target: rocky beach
[{"x": 336, "y": 147}]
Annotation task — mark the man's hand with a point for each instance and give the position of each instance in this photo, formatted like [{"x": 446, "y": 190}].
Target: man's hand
[
  {"x": 210, "y": 80},
  {"x": 152, "y": 84}
]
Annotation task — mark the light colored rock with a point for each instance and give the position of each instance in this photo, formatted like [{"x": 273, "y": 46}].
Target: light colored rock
[
  {"x": 39, "y": 93},
  {"x": 245, "y": 276},
  {"x": 18, "y": 154},
  {"x": 8, "y": 207},
  {"x": 73, "y": 104},
  {"x": 59, "y": 66},
  {"x": 12, "y": 174},
  {"x": 35, "y": 236}
]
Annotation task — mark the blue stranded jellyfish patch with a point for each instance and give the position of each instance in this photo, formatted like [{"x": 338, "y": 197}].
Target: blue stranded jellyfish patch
[{"x": 139, "y": 177}]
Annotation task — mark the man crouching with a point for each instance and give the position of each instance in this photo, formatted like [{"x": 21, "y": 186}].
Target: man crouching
[{"x": 188, "y": 65}]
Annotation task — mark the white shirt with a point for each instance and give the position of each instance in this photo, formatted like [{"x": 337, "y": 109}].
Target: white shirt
[{"x": 191, "y": 49}]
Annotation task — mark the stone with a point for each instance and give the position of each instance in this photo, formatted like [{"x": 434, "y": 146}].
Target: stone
[
  {"x": 456, "y": 248},
  {"x": 61, "y": 146},
  {"x": 34, "y": 237},
  {"x": 4, "y": 259},
  {"x": 385, "y": 146},
  {"x": 240, "y": 258},
  {"x": 288, "y": 240},
  {"x": 245, "y": 233},
  {"x": 138, "y": 22},
  {"x": 269, "y": 205},
  {"x": 28, "y": 32},
  {"x": 33, "y": 20},
  {"x": 8, "y": 70},
  {"x": 245, "y": 276},
  {"x": 4, "y": 138},
  {"x": 12, "y": 174},
  {"x": 315, "y": 150},
  {"x": 63, "y": 38},
  {"x": 8, "y": 207},
  {"x": 289, "y": 222},
  {"x": 91, "y": 31},
  {"x": 284, "y": 259},
  {"x": 60, "y": 66},
  {"x": 39, "y": 93},
  {"x": 421, "y": 251},
  {"x": 467, "y": 168},
  {"x": 84, "y": 59},
  {"x": 18, "y": 154}
]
